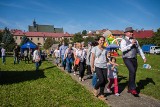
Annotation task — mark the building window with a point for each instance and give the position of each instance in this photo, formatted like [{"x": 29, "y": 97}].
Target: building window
[
  {"x": 20, "y": 37},
  {"x": 38, "y": 39},
  {"x": 31, "y": 38},
  {"x": 16, "y": 37}
]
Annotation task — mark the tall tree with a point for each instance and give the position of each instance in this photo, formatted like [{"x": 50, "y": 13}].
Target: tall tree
[
  {"x": 1, "y": 35},
  {"x": 48, "y": 43},
  {"x": 84, "y": 32},
  {"x": 8, "y": 40},
  {"x": 77, "y": 37},
  {"x": 88, "y": 39},
  {"x": 66, "y": 41}
]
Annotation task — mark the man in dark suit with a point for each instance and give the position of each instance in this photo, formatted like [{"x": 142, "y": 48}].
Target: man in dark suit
[{"x": 130, "y": 48}]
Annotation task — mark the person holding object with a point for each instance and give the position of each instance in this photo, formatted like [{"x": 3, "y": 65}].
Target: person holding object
[
  {"x": 130, "y": 47},
  {"x": 99, "y": 65}
]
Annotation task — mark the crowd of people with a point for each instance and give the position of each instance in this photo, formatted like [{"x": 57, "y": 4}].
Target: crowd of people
[
  {"x": 27, "y": 55},
  {"x": 98, "y": 63}
]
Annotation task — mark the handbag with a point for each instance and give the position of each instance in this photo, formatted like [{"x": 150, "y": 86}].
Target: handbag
[{"x": 77, "y": 61}]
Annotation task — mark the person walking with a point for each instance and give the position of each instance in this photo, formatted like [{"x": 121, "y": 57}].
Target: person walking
[
  {"x": 69, "y": 57},
  {"x": 129, "y": 47},
  {"x": 37, "y": 58},
  {"x": 88, "y": 60},
  {"x": 16, "y": 54},
  {"x": 3, "y": 54},
  {"x": 112, "y": 76},
  {"x": 62, "y": 50},
  {"x": 26, "y": 55},
  {"x": 80, "y": 56},
  {"x": 57, "y": 55},
  {"x": 99, "y": 61}
]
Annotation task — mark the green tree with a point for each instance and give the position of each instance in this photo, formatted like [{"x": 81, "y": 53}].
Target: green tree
[
  {"x": 84, "y": 32},
  {"x": 8, "y": 40},
  {"x": 66, "y": 41},
  {"x": 48, "y": 43},
  {"x": 77, "y": 37},
  {"x": 1, "y": 35},
  {"x": 88, "y": 39}
]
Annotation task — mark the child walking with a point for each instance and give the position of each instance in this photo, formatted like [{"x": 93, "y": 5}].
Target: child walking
[{"x": 112, "y": 76}]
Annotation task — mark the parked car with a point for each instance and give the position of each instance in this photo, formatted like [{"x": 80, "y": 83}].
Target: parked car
[{"x": 151, "y": 48}]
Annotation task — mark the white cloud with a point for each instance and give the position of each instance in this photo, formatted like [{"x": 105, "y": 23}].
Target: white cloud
[
  {"x": 13, "y": 5},
  {"x": 136, "y": 5},
  {"x": 42, "y": 7},
  {"x": 4, "y": 22}
]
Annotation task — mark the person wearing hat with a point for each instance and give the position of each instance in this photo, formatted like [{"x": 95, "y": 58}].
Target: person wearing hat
[{"x": 129, "y": 47}]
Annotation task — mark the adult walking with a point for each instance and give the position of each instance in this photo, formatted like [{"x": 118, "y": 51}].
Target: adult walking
[
  {"x": 16, "y": 54},
  {"x": 62, "y": 50},
  {"x": 37, "y": 58},
  {"x": 130, "y": 47},
  {"x": 69, "y": 57},
  {"x": 88, "y": 59},
  {"x": 99, "y": 61},
  {"x": 80, "y": 55},
  {"x": 3, "y": 54}
]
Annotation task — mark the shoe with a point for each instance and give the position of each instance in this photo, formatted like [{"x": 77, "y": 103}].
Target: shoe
[
  {"x": 101, "y": 97},
  {"x": 80, "y": 79},
  {"x": 117, "y": 94},
  {"x": 95, "y": 92},
  {"x": 133, "y": 92},
  {"x": 108, "y": 90}
]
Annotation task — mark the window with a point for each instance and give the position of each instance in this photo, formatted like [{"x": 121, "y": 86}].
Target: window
[
  {"x": 16, "y": 37},
  {"x": 31, "y": 38},
  {"x": 20, "y": 37},
  {"x": 38, "y": 39}
]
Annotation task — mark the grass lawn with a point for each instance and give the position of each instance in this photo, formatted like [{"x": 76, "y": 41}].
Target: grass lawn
[
  {"x": 148, "y": 80},
  {"x": 21, "y": 86}
]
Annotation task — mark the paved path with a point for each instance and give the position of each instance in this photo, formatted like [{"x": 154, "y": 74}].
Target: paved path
[{"x": 124, "y": 100}]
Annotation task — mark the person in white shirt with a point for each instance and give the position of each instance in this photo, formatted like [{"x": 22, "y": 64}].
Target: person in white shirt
[
  {"x": 3, "y": 54},
  {"x": 57, "y": 55},
  {"x": 81, "y": 54},
  {"x": 37, "y": 58},
  {"x": 99, "y": 65},
  {"x": 130, "y": 47}
]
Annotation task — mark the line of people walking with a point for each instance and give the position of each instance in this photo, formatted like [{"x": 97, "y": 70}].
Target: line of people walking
[{"x": 100, "y": 65}]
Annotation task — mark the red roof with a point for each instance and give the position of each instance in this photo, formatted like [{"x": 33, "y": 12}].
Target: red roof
[
  {"x": 41, "y": 34},
  {"x": 117, "y": 32},
  {"x": 143, "y": 34}
]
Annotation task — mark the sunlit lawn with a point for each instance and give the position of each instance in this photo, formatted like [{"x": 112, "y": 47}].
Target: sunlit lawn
[
  {"x": 148, "y": 80},
  {"x": 21, "y": 86}
]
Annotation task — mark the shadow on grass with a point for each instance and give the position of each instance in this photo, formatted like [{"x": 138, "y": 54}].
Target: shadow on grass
[
  {"x": 10, "y": 77},
  {"x": 123, "y": 85},
  {"x": 142, "y": 83}
]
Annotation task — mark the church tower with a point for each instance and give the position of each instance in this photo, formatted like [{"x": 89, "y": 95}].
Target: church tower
[{"x": 34, "y": 26}]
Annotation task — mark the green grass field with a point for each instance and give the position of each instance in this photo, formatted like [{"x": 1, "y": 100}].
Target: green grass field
[
  {"x": 21, "y": 86},
  {"x": 148, "y": 80}
]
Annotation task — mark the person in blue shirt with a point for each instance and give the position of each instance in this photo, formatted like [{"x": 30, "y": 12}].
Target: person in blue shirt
[{"x": 62, "y": 50}]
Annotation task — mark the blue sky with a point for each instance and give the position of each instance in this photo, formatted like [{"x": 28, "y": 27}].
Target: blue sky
[{"x": 78, "y": 15}]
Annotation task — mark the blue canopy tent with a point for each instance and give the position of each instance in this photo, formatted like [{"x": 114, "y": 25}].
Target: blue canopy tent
[
  {"x": 29, "y": 45},
  {"x": 112, "y": 47}
]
